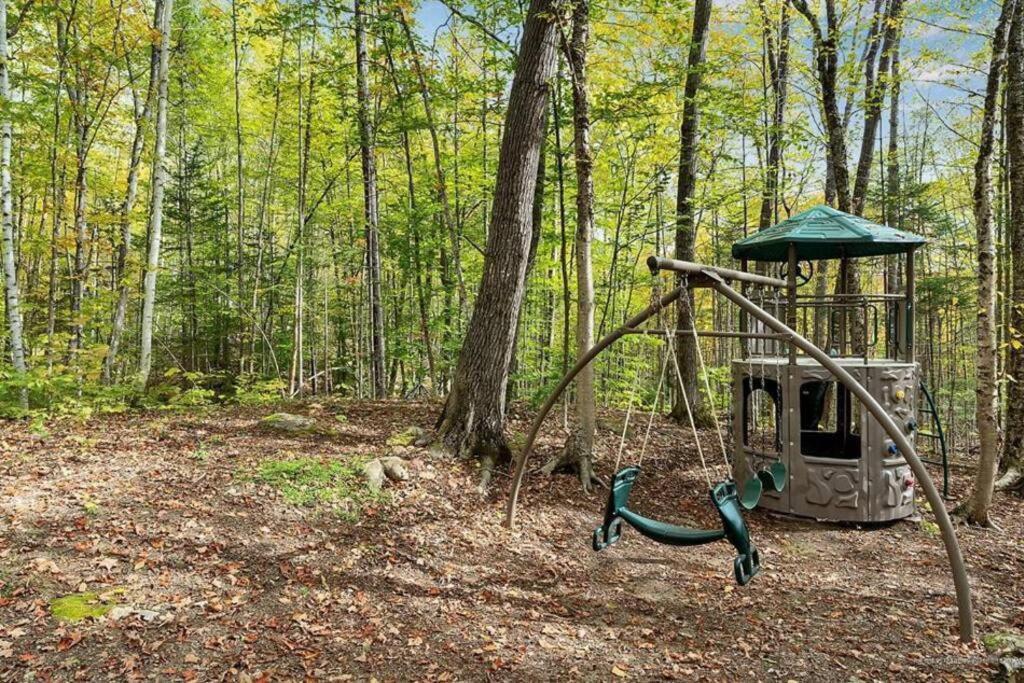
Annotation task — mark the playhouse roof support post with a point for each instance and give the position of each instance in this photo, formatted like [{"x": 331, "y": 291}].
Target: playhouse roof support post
[
  {"x": 791, "y": 298},
  {"x": 908, "y": 350},
  {"x": 956, "y": 559}
]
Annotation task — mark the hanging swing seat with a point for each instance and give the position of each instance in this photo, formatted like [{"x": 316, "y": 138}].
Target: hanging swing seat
[{"x": 723, "y": 496}]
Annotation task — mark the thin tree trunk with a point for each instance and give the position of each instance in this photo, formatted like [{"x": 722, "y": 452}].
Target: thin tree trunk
[
  {"x": 442, "y": 184},
  {"x": 369, "y": 166},
  {"x": 778, "y": 67},
  {"x": 239, "y": 185},
  {"x": 156, "y": 210},
  {"x": 826, "y": 55},
  {"x": 874, "y": 95},
  {"x": 579, "y": 447},
  {"x": 893, "y": 185},
  {"x": 142, "y": 116},
  {"x": 474, "y": 417},
  {"x": 686, "y": 225},
  {"x": 13, "y": 303}
]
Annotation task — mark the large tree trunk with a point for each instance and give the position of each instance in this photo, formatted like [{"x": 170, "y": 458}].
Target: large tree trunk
[
  {"x": 142, "y": 115},
  {"x": 986, "y": 409},
  {"x": 14, "y": 320},
  {"x": 474, "y": 416},
  {"x": 369, "y": 166},
  {"x": 579, "y": 447},
  {"x": 156, "y": 209},
  {"x": 686, "y": 229},
  {"x": 1014, "y": 445}
]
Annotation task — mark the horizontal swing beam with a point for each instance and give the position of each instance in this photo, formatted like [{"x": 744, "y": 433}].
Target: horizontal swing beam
[
  {"x": 656, "y": 263},
  {"x": 708, "y": 333}
]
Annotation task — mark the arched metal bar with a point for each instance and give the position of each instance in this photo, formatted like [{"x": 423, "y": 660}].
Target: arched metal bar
[
  {"x": 584, "y": 361},
  {"x": 956, "y": 558},
  {"x": 716, "y": 280}
]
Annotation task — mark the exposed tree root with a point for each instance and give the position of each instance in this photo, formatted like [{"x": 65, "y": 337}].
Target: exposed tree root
[
  {"x": 1012, "y": 480},
  {"x": 576, "y": 459}
]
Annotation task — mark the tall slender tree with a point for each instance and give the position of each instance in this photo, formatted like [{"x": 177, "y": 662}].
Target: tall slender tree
[
  {"x": 986, "y": 406},
  {"x": 579, "y": 446},
  {"x": 156, "y": 207},
  {"x": 1013, "y": 447},
  {"x": 13, "y": 302},
  {"x": 778, "y": 70},
  {"x": 369, "y": 166},
  {"x": 142, "y": 107}
]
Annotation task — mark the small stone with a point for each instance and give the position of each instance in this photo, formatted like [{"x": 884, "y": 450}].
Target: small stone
[
  {"x": 395, "y": 468},
  {"x": 374, "y": 473}
]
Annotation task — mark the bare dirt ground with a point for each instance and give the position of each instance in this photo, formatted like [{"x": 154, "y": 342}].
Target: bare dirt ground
[{"x": 218, "y": 577}]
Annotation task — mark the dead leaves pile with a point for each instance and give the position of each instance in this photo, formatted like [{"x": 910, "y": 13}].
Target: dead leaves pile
[{"x": 210, "y": 574}]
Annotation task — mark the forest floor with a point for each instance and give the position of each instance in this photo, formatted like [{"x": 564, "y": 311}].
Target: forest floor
[{"x": 216, "y": 574}]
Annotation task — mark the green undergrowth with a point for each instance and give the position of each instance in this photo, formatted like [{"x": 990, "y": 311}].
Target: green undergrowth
[{"x": 313, "y": 482}]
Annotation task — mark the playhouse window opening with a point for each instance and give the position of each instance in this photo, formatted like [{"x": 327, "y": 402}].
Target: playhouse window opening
[
  {"x": 762, "y": 414},
  {"x": 829, "y": 421}
]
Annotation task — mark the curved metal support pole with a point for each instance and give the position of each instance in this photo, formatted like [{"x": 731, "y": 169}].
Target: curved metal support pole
[
  {"x": 956, "y": 559},
  {"x": 584, "y": 361}
]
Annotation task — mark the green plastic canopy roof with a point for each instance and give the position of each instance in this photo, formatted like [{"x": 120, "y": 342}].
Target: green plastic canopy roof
[{"x": 825, "y": 233}]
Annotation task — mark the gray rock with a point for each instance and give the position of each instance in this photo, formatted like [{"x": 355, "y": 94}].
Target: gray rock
[{"x": 286, "y": 422}]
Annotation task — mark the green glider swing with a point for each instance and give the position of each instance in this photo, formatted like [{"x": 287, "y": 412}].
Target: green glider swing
[{"x": 724, "y": 495}]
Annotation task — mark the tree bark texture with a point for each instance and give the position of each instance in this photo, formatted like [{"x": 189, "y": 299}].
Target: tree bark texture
[
  {"x": 474, "y": 417},
  {"x": 686, "y": 228}
]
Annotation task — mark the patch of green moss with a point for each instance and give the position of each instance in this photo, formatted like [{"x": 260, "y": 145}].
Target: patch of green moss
[
  {"x": 406, "y": 437},
  {"x": 1004, "y": 641},
  {"x": 78, "y": 606},
  {"x": 310, "y": 482}
]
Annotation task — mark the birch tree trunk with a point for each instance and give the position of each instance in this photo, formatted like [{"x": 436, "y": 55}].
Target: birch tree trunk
[
  {"x": 156, "y": 210},
  {"x": 369, "y": 166},
  {"x": 686, "y": 228},
  {"x": 13, "y": 303},
  {"x": 778, "y": 68},
  {"x": 142, "y": 115},
  {"x": 474, "y": 416},
  {"x": 1014, "y": 443},
  {"x": 986, "y": 408}
]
